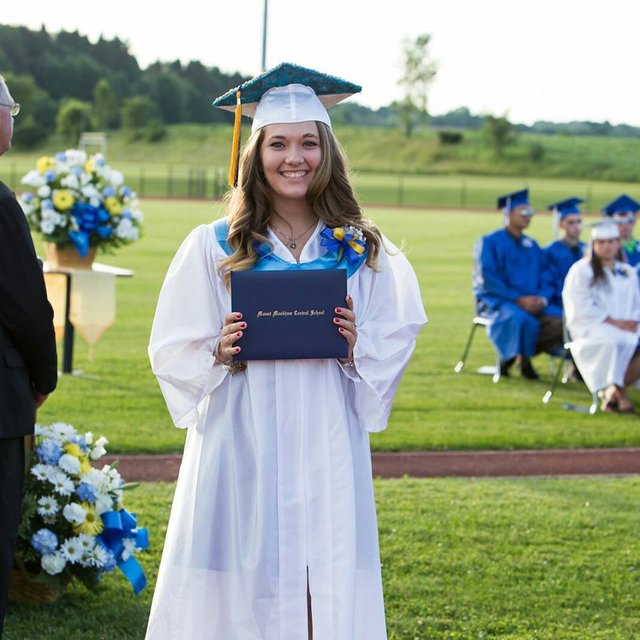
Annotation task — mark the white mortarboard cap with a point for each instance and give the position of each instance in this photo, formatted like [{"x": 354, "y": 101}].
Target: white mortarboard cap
[
  {"x": 293, "y": 103},
  {"x": 605, "y": 231}
]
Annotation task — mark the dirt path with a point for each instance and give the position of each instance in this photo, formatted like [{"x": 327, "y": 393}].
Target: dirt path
[{"x": 427, "y": 464}]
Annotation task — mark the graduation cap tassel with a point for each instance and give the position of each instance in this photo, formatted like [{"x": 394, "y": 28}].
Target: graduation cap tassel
[{"x": 235, "y": 144}]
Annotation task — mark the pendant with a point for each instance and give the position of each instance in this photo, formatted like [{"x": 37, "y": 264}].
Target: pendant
[{"x": 293, "y": 245}]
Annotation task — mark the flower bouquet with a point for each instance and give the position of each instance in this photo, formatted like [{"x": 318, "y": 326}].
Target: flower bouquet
[
  {"x": 79, "y": 201},
  {"x": 73, "y": 521}
]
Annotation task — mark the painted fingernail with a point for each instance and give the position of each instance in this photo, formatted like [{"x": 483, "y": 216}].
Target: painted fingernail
[
  {"x": 341, "y": 330},
  {"x": 238, "y": 334},
  {"x": 338, "y": 310},
  {"x": 238, "y": 315},
  {"x": 349, "y": 297},
  {"x": 336, "y": 320},
  {"x": 243, "y": 325},
  {"x": 237, "y": 349}
]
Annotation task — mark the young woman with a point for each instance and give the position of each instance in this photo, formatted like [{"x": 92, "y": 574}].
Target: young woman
[
  {"x": 602, "y": 306},
  {"x": 273, "y": 529}
]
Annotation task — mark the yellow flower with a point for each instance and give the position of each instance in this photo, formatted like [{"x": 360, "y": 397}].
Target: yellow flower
[
  {"x": 338, "y": 233},
  {"x": 85, "y": 465},
  {"x": 45, "y": 163},
  {"x": 62, "y": 199},
  {"x": 90, "y": 165},
  {"x": 92, "y": 524},
  {"x": 73, "y": 449},
  {"x": 113, "y": 205}
]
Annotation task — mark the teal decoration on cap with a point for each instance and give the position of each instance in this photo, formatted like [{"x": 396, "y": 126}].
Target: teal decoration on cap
[{"x": 329, "y": 89}]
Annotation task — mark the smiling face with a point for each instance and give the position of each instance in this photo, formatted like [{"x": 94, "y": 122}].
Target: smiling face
[{"x": 290, "y": 155}]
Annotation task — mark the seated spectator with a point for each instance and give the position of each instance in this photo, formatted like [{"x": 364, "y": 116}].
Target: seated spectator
[
  {"x": 509, "y": 289},
  {"x": 623, "y": 211},
  {"x": 602, "y": 306},
  {"x": 561, "y": 254}
]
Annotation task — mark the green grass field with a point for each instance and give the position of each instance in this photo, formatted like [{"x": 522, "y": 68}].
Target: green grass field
[
  {"x": 117, "y": 394},
  {"x": 550, "y": 559}
]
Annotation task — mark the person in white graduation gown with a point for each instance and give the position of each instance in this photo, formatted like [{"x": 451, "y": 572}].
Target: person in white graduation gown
[
  {"x": 601, "y": 299},
  {"x": 273, "y": 532}
]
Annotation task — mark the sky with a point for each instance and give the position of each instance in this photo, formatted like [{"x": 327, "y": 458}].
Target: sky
[{"x": 556, "y": 60}]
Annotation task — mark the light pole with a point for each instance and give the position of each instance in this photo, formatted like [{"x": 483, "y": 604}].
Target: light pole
[{"x": 264, "y": 36}]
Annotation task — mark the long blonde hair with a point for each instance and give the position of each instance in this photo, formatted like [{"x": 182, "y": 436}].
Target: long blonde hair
[{"x": 330, "y": 196}]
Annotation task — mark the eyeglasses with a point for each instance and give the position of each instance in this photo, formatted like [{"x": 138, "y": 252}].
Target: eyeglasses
[{"x": 15, "y": 108}]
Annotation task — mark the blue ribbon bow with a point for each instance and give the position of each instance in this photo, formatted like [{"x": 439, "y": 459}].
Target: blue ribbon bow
[
  {"x": 118, "y": 526},
  {"x": 345, "y": 245}
]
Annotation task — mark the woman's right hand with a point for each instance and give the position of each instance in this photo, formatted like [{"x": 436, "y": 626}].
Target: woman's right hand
[{"x": 232, "y": 329}]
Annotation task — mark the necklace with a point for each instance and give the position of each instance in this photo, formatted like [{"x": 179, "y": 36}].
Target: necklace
[{"x": 291, "y": 241}]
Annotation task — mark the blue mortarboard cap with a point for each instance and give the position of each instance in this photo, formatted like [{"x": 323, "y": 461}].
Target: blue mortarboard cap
[
  {"x": 285, "y": 94},
  {"x": 566, "y": 207},
  {"x": 622, "y": 204},
  {"x": 511, "y": 200}
]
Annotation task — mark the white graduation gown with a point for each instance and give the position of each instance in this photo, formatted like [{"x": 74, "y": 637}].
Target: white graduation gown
[
  {"x": 275, "y": 483},
  {"x": 601, "y": 351}
]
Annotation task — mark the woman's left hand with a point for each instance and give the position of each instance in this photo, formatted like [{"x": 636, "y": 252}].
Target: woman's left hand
[{"x": 346, "y": 322}]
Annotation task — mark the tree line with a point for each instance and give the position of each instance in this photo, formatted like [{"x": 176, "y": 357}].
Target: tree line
[{"x": 69, "y": 85}]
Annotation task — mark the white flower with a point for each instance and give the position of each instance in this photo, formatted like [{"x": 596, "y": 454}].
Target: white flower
[
  {"x": 116, "y": 178},
  {"x": 76, "y": 157},
  {"x": 70, "y": 181},
  {"x": 93, "y": 477},
  {"x": 74, "y": 513},
  {"x": 63, "y": 430},
  {"x": 62, "y": 484},
  {"x": 91, "y": 192},
  {"x": 88, "y": 438},
  {"x": 33, "y": 179},
  {"x": 97, "y": 452},
  {"x": 127, "y": 230},
  {"x": 104, "y": 502},
  {"x": 44, "y": 191},
  {"x": 69, "y": 463},
  {"x": 71, "y": 550},
  {"x": 48, "y": 506},
  {"x": 53, "y": 563},
  {"x": 42, "y": 471},
  {"x": 129, "y": 545},
  {"x": 98, "y": 556},
  {"x": 47, "y": 227}
]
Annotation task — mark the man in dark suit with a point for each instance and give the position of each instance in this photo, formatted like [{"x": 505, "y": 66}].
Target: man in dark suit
[{"x": 28, "y": 364}]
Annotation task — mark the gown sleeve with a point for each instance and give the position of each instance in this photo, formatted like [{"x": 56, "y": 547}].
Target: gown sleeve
[
  {"x": 580, "y": 307},
  {"x": 186, "y": 327},
  {"x": 389, "y": 316}
]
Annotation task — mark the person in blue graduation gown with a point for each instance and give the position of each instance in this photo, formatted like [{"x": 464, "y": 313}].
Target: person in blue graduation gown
[
  {"x": 562, "y": 253},
  {"x": 623, "y": 210},
  {"x": 510, "y": 289}
]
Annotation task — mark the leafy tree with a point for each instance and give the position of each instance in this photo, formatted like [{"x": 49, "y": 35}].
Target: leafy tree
[
  {"x": 73, "y": 118},
  {"x": 498, "y": 133},
  {"x": 137, "y": 112},
  {"x": 169, "y": 91},
  {"x": 106, "y": 103},
  {"x": 419, "y": 72}
]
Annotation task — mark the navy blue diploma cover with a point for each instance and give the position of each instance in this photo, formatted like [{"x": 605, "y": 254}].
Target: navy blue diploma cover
[{"x": 289, "y": 314}]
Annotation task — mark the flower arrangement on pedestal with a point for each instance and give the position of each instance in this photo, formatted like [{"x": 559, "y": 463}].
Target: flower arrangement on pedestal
[
  {"x": 80, "y": 201},
  {"x": 74, "y": 524}
]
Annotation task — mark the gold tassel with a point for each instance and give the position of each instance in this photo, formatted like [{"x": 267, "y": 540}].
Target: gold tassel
[{"x": 235, "y": 144}]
